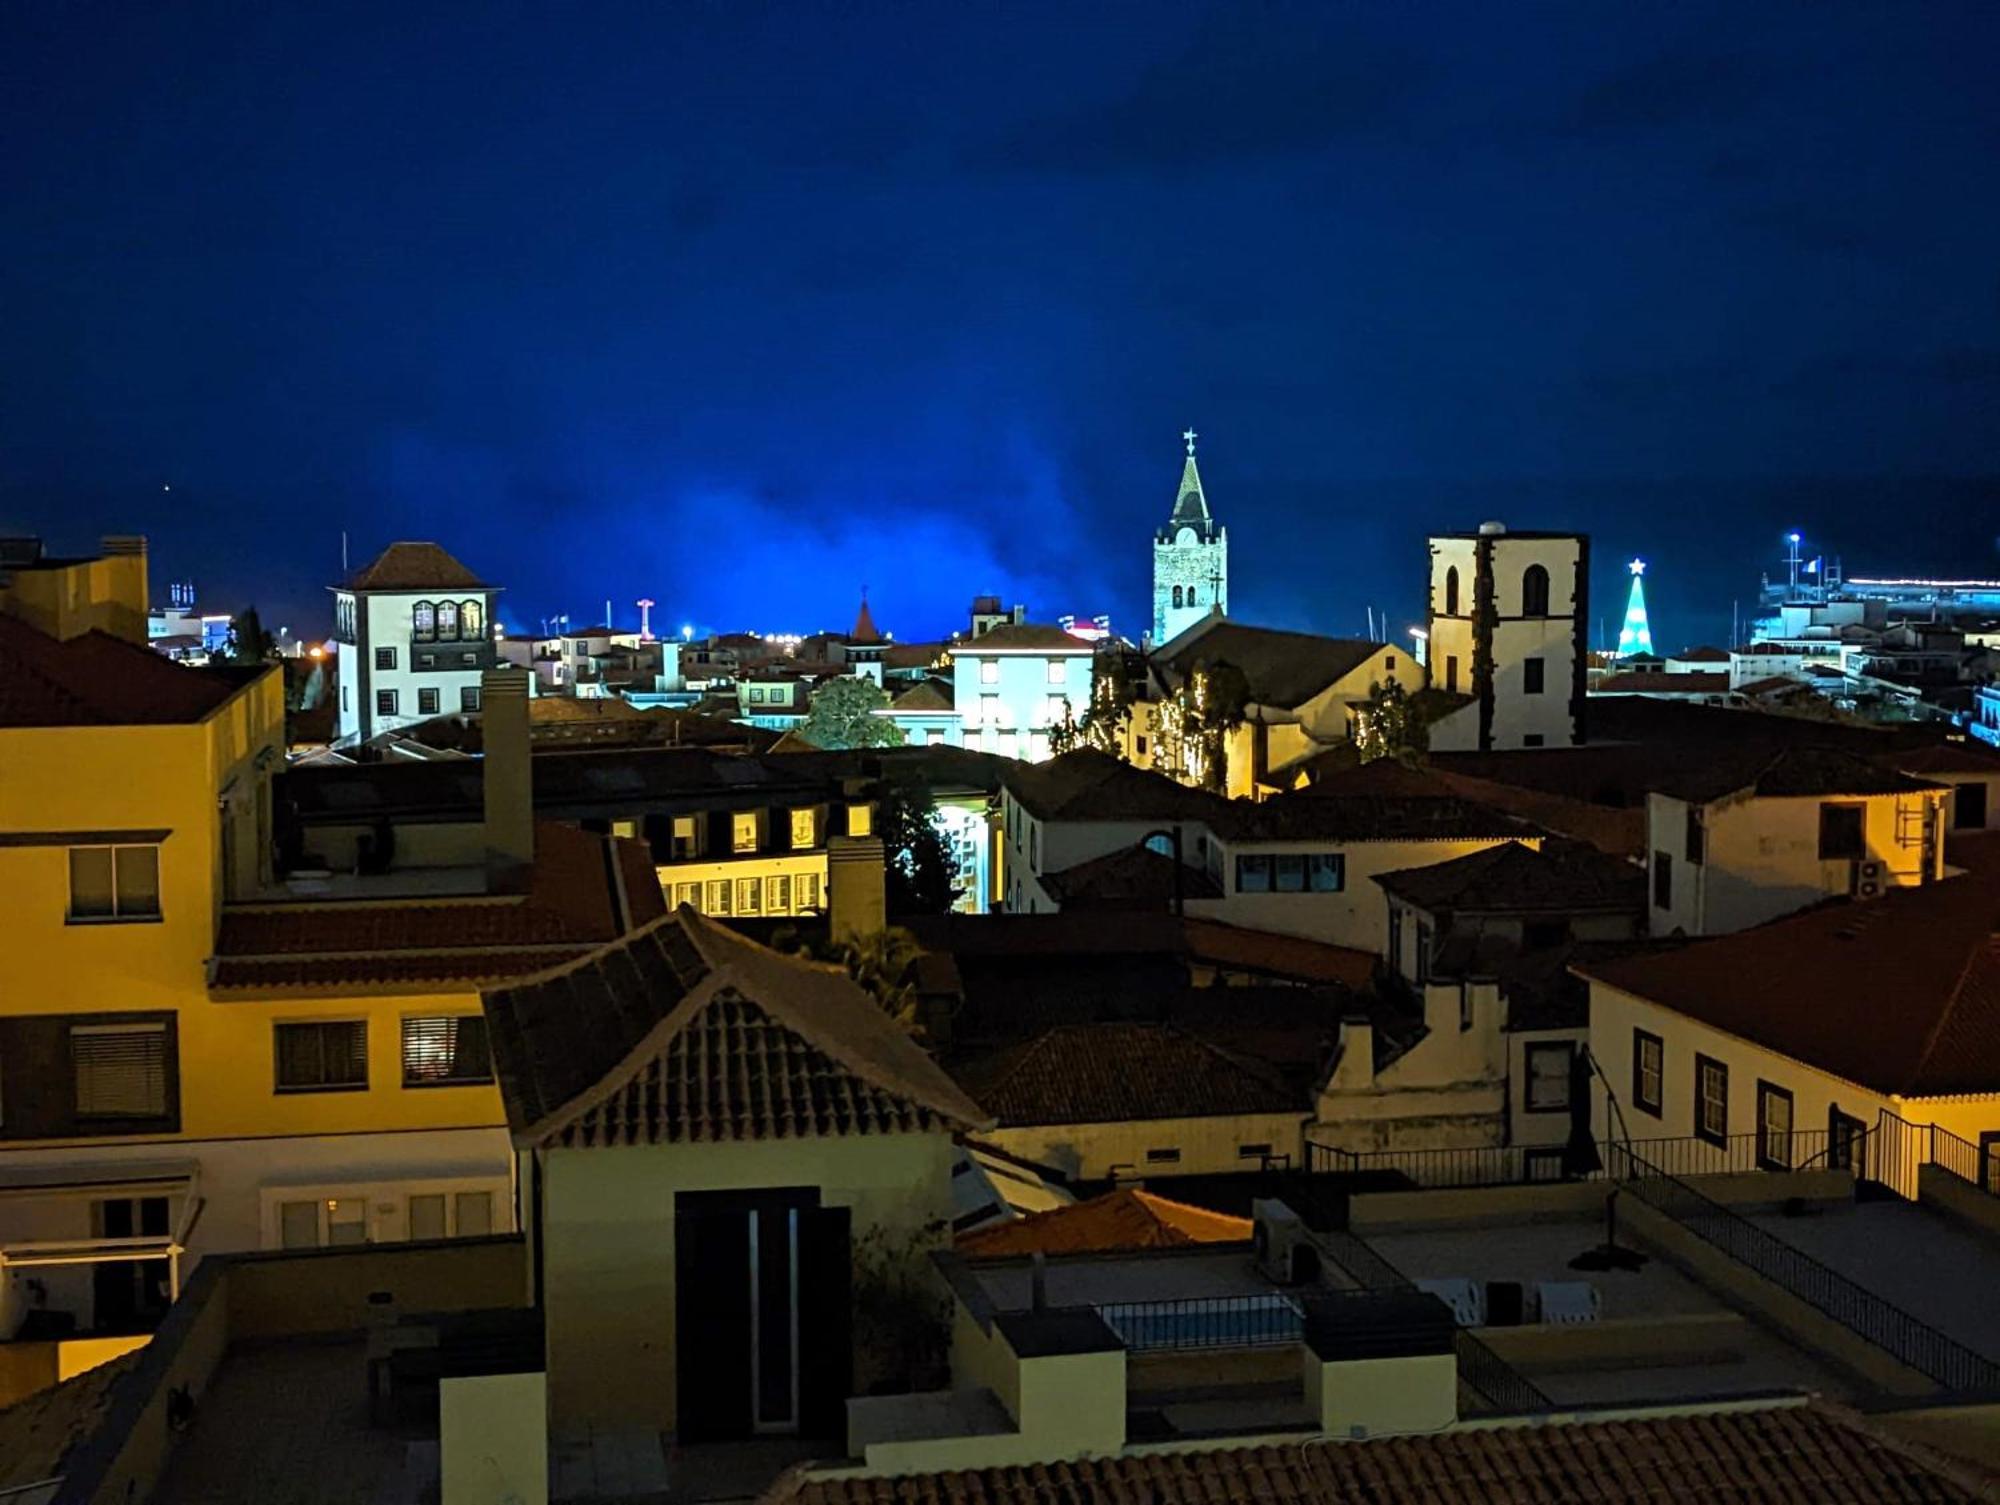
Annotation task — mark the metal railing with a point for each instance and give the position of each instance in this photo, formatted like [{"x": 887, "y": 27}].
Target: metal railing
[
  {"x": 1205, "y": 1322},
  {"x": 1964, "y": 1160},
  {"x": 1909, "y": 1340},
  {"x": 1526, "y": 1165}
]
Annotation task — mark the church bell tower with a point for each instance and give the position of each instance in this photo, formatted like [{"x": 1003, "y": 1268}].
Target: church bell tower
[{"x": 1190, "y": 559}]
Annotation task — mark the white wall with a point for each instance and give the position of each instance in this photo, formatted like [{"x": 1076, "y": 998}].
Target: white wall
[
  {"x": 388, "y": 625},
  {"x": 1021, "y": 694},
  {"x": 1206, "y": 1145},
  {"x": 1519, "y": 716}
]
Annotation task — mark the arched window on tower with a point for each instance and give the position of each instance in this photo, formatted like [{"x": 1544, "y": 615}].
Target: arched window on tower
[
  {"x": 1177, "y": 595},
  {"x": 471, "y": 619},
  {"x": 423, "y": 621},
  {"x": 1451, "y": 591},
  {"x": 1534, "y": 591},
  {"x": 1194, "y": 595},
  {"x": 447, "y": 620}
]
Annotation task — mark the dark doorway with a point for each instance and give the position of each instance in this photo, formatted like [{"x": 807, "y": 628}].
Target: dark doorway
[
  {"x": 1844, "y": 1142},
  {"x": 130, "y": 1295},
  {"x": 761, "y": 1293}
]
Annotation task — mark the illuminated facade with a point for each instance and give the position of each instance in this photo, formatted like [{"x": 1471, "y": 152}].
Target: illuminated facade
[
  {"x": 415, "y": 632},
  {"x": 1190, "y": 559}
]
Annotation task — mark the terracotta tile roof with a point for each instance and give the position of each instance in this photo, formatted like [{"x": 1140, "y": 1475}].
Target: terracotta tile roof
[
  {"x": 1117, "y": 1222},
  {"x": 913, "y": 655},
  {"x": 1706, "y": 654},
  {"x": 1023, "y": 637},
  {"x": 1900, "y": 994},
  {"x": 1792, "y": 772},
  {"x": 1284, "y": 669},
  {"x": 1946, "y": 757},
  {"x": 570, "y": 907},
  {"x": 686, "y": 1031},
  {"x": 925, "y": 695},
  {"x": 410, "y": 567},
  {"x": 1115, "y": 1073},
  {"x": 1240, "y": 949},
  {"x": 1562, "y": 878},
  {"x": 1133, "y": 877},
  {"x": 1782, "y": 1455},
  {"x": 99, "y": 680},
  {"x": 1317, "y": 814},
  {"x": 1092, "y": 785}
]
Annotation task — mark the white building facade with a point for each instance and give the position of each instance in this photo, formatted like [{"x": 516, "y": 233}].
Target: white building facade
[
  {"x": 1014, "y": 682},
  {"x": 1506, "y": 623},
  {"x": 414, "y": 631}
]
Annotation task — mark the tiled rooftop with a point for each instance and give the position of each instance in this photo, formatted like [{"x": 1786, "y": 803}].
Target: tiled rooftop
[
  {"x": 413, "y": 566},
  {"x": 99, "y": 680},
  {"x": 1561, "y": 878},
  {"x": 1111, "y": 1073},
  {"x": 1785, "y": 1455},
  {"x": 1118, "y": 1221},
  {"x": 1280, "y": 668}
]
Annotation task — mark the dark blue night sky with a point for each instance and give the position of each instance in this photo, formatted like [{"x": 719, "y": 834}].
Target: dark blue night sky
[{"x": 741, "y": 306}]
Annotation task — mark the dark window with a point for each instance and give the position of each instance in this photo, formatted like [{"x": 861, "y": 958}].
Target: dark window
[
  {"x": 1163, "y": 1157},
  {"x": 1177, "y": 595},
  {"x": 427, "y": 660},
  {"x": 1531, "y": 676},
  {"x": 1968, "y": 807},
  {"x": 1774, "y": 1127},
  {"x": 1253, "y": 1152},
  {"x": 1326, "y": 872},
  {"x": 1663, "y": 881},
  {"x": 1548, "y": 1077},
  {"x": 1531, "y": 739},
  {"x": 1840, "y": 832},
  {"x": 1423, "y": 953},
  {"x": 1534, "y": 591},
  {"x": 1711, "y": 1099},
  {"x": 1695, "y": 848},
  {"x": 120, "y": 1070},
  {"x": 1649, "y": 1072},
  {"x": 114, "y": 883},
  {"x": 1451, "y": 591},
  {"x": 321, "y": 1056},
  {"x": 1396, "y": 939},
  {"x": 1389, "y": 663},
  {"x": 1539, "y": 935},
  {"x": 468, "y": 698},
  {"x": 1451, "y": 672},
  {"x": 1290, "y": 874},
  {"x": 468, "y": 659},
  {"x": 385, "y": 658},
  {"x": 427, "y": 701},
  {"x": 385, "y": 702},
  {"x": 446, "y": 1051},
  {"x": 1253, "y": 875}
]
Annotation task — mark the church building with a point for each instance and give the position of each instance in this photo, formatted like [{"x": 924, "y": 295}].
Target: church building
[{"x": 1190, "y": 560}]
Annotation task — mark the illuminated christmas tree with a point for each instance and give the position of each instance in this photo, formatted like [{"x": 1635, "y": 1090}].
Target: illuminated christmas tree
[{"x": 1636, "y": 636}]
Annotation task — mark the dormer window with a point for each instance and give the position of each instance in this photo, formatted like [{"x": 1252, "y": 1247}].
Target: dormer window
[
  {"x": 471, "y": 619},
  {"x": 423, "y": 621},
  {"x": 447, "y": 619}
]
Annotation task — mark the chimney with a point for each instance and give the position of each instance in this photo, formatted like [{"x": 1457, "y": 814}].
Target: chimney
[
  {"x": 1354, "y": 1067},
  {"x": 508, "y": 778},
  {"x": 122, "y": 607},
  {"x": 1380, "y": 1363},
  {"x": 857, "y": 879}
]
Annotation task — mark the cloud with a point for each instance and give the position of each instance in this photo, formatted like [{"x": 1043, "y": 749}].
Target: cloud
[
  {"x": 1253, "y": 82},
  {"x": 1670, "y": 89}
]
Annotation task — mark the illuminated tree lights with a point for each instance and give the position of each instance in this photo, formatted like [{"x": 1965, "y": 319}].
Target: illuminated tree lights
[{"x": 1636, "y": 636}]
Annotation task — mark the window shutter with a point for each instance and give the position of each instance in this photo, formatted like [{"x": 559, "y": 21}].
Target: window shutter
[
  {"x": 445, "y": 1048},
  {"x": 121, "y": 1070}
]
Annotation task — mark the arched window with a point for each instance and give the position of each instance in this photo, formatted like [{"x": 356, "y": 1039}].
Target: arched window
[
  {"x": 447, "y": 619},
  {"x": 471, "y": 619},
  {"x": 1451, "y": 591},
  {"x": 423, "y": 621},
  {"x": 1177, "y": 595},
  {"x": 1194, "y": 595},
  {"x": 1534, "y": 591}
]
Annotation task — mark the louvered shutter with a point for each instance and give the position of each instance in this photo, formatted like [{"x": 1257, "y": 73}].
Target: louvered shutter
[{"x": 121, "y": 1070}]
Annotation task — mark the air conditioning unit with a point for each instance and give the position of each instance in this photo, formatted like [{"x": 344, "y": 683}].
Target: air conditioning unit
[{"x": 1286, "y": 1252}]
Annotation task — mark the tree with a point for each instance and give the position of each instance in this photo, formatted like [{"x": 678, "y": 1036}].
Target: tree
[
  {"x": 1067, "y": 734},
  {"x": 843, "y": 716},
  {"x": 248, "y": 642},
  {"x": 1194, "y": 724},
  {"x": 923, "y": 872},
  {"x": 1389, "y": 725},
  {"x": 884, "y": 965}
]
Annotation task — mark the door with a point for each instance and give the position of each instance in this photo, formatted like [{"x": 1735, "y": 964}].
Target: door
[
  {"x": 762, "y": 1314},
  {"x": 1989, "y": 1161},
  {"x": 1844, "y": 1141},
  {"x": 130, "y": 1295}
]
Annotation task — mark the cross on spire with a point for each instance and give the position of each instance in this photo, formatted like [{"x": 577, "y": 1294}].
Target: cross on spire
[{"x": 1188, "y": 435}]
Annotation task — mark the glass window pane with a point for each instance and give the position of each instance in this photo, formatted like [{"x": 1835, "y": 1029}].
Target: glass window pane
[
  {"x": 90, "y": 882},
  {"x": 427, "y": 1215},
  {"x": 1253, "y": 875},
  {"x": 298, "y": 1225},
  {"x": 781, "y": 894},
  {"x": 474, "y": 1211},
  {"x": 347, "y": 1220},
  {"x": 138, "y": 880},
  {"x": 1329, "y": 872},
  {"x": 1291, "y": 869}
]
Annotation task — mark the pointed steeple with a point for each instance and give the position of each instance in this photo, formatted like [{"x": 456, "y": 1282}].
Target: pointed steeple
[
  {"x": 864, "y": 623},
  {"x": 1190, "y": 504},
  {"x": 1636, "y": 635}
]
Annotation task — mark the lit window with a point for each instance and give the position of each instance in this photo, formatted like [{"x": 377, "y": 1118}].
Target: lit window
[
  {"x": 743, "y": 831},
  {"x": 861, "y": 819},
  {"x": 779, "y": 892},
  {"x": 804, "y": 829},
  {"x": 321, "y": 1056},
  {"x": 423, "y": 621},
  {"x": 114, "y": 883},
  {"x": 447, "y": 619},
  {"x": 808, "y": 892},
  {"x": 1058, "y": 671},
  {"x": 989, "y": 671},
  {"x": 120, "y": 1070},
  {"x": 1253, "y": 875},
  {"x": 719, "y": 891},
  {"x": 1774, "y": 1127},
  {"x": 445, "y": 1051},
  {"x": 749, "y": 895},
  {"x": 471, "y": 619},
  {"x": 1326, "y": 872},
  {"x": 688, "y": 894},
  {"x": 687, "y": 838},
  {"x": 1290, "y": 873}
]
